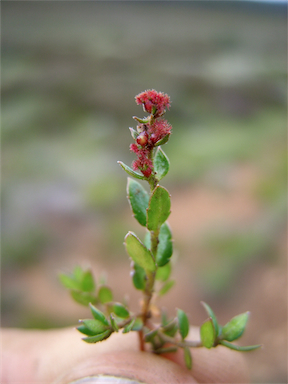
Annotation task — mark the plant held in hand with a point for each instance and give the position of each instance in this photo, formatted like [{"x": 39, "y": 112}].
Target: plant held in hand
[{"x": 150, "y": 257}]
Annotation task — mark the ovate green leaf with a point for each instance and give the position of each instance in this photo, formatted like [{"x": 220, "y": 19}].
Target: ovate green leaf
[
  {"x": 235, "y": 327},
  {"x": 163, "y": 273},
  {"x": 105, "y": 294},
  {"x": 83, "y": 298},
  {"x": 139, "y": 253},
  {"x": 158, "y": 209},
  {"x": 100, "y": 337},
  {"x": 87, "y": 283},
  {"x": 94, "y": 325},
  {"x": 98, "y": 315},
  {"x": 165, "y": 246},
  {"x": 138, "y": 277},
  {"x": 69, "y": 282},
  {"x": 138, "y": 199},
  {"x": 86, "y": 331},
  {"x": 213, "y": 318},
  {"x": 183, "y": 323},
  {"x": 120, "y": 310},
  {"x": 207, "y": 334},
  {"x": 161, "y": 164}
]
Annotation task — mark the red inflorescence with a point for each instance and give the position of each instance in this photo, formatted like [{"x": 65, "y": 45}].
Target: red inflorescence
[
  {"x": 151, "y": 132},
  {"x": 153, "y": 102}
]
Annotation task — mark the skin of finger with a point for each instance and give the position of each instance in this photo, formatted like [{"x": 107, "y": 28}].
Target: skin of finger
[
  {"x": 42, "y": 356},
  {"x": 139, "y": 366},
  {"x": 215, "y": 365},
  {"x": 46, "y": 355},
  {"x": 60, "y": 356}
]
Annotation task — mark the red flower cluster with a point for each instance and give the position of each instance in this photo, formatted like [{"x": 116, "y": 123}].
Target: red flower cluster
[
  {"x": 158, "y": 130},
  {"x": 153, "y": 102},
  {"x": 152, "y": 131},
  {"x": 143, "y": 163}
]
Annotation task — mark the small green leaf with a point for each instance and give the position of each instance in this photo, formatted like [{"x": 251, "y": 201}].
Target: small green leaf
[
  {"x": 235, "y": 327},
  {"x": 129, "y": 326},
  {"x": 94, "y": 325},
  {"x": 158, "y": 209},
  {"x": 163, "y": 273},
  {"x": 161, "y": 164},
  {"x": 98, "y": 315},
  {"x": 138, "y": 324},
  {"x": 99, "y": 337},
  {"x": 162, "y": 141},
  {"x": 139, "y": 253},
  {"x": 213, "y": 318},
  {"x": 138, "y": 199},
  {"x": 187, "y": 357},
  {"x": 87, "y": 282},
  {"x": 83, "y": 298},
  {"x": 171, "y": 328},
  {"x": 130, "y": 171},
  {"x": 238, "y": 347},
  {"x": 149, "y": 336},
  {"x": 145, "y": 120},
  {"x": 166, "y": 287},
  {"x": 207, "y": 334},
  {"x": 138, "y": 277},
  {"x": 165, "y": 246},
  {"x": 183, "y": 323},
  {"x": 86, "y": 331},
  {"x": 134, "y": 133},
  {"x": 120, "y": 310},
  {"x": 69, "y": 282},
  {"x": 105, "y": 294},
  {"x": 113, "y": 323}
]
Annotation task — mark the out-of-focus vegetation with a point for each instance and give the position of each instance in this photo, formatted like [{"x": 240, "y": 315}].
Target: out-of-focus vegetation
[{"x": 70, "y": 71}]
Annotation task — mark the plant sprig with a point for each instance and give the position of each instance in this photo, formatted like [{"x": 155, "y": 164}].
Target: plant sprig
[{"x": 150, "y": 256}]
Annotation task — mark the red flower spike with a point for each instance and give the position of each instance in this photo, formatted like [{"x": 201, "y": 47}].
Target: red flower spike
[{"x": 151, "y": 129}]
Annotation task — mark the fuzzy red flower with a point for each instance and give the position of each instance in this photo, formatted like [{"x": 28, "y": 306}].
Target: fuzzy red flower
[
  {"x": 153, "y": 102},
  {"x": 158, "y": 130}
]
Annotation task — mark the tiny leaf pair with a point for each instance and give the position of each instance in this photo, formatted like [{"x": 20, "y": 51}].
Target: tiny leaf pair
[{"x": 213, "y": 334}]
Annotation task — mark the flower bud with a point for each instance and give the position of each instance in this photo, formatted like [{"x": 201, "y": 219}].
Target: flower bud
[{"x": 142, "y": 139}]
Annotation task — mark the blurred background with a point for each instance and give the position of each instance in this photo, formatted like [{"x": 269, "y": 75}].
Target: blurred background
[{"x": 70, "y": 71}]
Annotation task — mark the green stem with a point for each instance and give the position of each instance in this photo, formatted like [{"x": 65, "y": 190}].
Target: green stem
[
  {"x": 181, "y": 344},
  {"x": 149, "y": 288}
]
